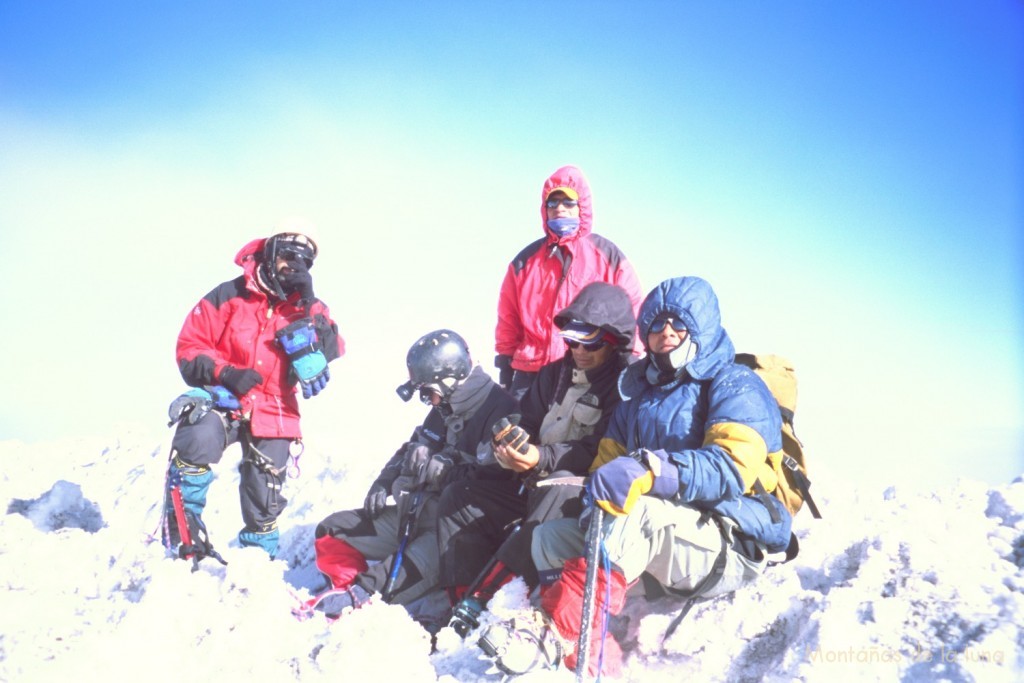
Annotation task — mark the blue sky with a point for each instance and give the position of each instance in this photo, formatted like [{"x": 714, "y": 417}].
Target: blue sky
[{"x": 846, "y": 174}]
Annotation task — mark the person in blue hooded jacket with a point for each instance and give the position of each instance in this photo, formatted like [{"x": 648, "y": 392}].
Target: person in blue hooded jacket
[{"x": 685, "y": 475}]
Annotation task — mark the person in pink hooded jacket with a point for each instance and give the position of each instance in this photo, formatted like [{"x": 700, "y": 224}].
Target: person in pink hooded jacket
[{"x": 547, "y": 275}]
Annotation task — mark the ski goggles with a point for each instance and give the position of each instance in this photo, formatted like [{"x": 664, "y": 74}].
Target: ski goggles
[
  {"x": 426, "y": 391},
  {"x": 564, "y": 201},
  {"x": 660, "y": 324},
  {"x": 291, "y": 247},
  {"x": 586, "y": 346}
]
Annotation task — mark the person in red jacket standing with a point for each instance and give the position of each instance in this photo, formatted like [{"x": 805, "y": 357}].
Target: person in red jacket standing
[
  {"x": 248, "y": 347},
  {"x": 547, "y": 275}
]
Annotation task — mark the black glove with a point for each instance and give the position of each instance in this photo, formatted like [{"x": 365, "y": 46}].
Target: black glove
[
  {"x": 239, "y": 382},
  {"x": 376, "y": 498},
  {"x": 505, "y": 371},
  {"x": 298, "y": 279},
  {"x": 416, "y": 458},
  {"x": 434, "y": 474}
]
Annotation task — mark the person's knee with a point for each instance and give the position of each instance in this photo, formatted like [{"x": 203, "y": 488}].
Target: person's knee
[
  {"x": 554, "y": 542},
  {"x": 347, "y": 523},
  {"x": 202, "y": 443},
  {"x": 453, "y": 498}
]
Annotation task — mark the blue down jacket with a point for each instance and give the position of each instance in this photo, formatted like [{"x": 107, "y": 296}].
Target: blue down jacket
[{"x": 716, "y": 420}]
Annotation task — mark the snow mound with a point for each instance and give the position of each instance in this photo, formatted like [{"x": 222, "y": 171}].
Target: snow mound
[{"x": 890, "y": 585}]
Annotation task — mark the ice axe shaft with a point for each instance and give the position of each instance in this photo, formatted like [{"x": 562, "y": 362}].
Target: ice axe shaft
[
  {"x": 408, "y": 525},
  {"x": 593, "y": 551}
]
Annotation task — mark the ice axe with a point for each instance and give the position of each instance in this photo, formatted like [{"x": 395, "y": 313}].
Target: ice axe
[
  {"x": 593, "y": 550},
  {"x": 408, "y": 526}
]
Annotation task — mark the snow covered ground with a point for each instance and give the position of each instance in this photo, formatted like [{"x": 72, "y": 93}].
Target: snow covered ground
[{"x": 890, "y": 585}]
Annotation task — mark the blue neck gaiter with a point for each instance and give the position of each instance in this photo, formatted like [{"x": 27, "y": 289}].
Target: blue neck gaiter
[{"x": 563, "y": 227}]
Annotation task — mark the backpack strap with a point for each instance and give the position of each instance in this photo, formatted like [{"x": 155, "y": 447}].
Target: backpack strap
[{"x": 802, "y": 483}]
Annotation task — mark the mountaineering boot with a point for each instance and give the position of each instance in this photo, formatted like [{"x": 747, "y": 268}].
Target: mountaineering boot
[
  {"x": 523, "y": 644},
  {"x": 466, "y": 615},
  {"x": 263, "y": 538},
  {"x": 338, "y": 601},
  {"x": 466, "y": 612}
]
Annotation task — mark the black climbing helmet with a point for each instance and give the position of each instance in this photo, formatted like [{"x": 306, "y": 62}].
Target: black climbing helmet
[{"x": 437, "y": 361}]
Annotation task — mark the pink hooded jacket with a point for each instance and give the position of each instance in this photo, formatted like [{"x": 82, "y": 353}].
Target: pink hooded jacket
[{"x": 547, "y": 275}]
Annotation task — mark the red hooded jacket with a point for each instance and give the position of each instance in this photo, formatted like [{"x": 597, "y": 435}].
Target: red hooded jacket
[
  {"x": 547, "y": 275},
  {"x": 235, "y": 325}
]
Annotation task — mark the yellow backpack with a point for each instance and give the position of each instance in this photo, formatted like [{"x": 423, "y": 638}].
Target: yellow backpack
[{"x": 794, "y": 487}]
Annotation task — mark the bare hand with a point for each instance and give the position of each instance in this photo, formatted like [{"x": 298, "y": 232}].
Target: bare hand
[{"x": 511, "y": 459}]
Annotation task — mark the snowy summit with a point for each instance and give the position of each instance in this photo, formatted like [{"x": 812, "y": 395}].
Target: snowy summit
[{"x": 889, "y": 585}]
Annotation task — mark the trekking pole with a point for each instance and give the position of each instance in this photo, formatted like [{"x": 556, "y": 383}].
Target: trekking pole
[
  {"x": 593, "y": 551},
  {"x": 408, "y": 524}
]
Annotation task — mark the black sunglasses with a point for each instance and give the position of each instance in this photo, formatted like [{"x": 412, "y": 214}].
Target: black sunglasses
[
  {"x": 587, "y": 346},
  {"x": 659, "y": 324}
]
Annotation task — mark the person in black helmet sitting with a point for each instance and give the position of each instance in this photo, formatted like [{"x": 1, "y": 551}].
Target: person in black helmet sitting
[{"x": 388, "y": 547}]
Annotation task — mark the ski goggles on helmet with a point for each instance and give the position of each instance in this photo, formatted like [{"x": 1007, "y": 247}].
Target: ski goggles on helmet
[
  {"x": 290, "y": 246},
  {"x": 426, "y": 391},
  {"x": 662, "y": 322}
]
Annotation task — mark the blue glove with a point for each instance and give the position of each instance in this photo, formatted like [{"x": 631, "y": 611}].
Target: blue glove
[
  {"x": 309, "y": 364},
  {"x": 223, "y": 398},
  {"x": 195, "y": 403},
  {"x": 312, "y": 373},
  {"x": 617, "y": 485}
]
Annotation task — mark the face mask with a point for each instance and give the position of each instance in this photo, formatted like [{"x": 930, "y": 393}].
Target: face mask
[{"x": 563, "y": 227}]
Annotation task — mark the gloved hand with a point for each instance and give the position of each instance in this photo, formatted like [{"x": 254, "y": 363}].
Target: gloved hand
[
  {"x": 222, "y": 398},
  {"x": 376, "y": 498},
  {"x": 298, "y": 280},
  {"x": 416, "y": 458},
  {"x": 194, "y": 403},
  {"x": 434, "y": 473},
  {"x": 239, "y": 381},
  {"x": 318, "y": 381},
  {"x": 617, "y": 485},
  {"x": 309, "y": 364},
  {"x": 505, "y": 371}
]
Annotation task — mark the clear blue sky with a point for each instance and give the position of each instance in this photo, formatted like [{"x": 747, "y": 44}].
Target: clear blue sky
[{"x": 846, "y": 174}]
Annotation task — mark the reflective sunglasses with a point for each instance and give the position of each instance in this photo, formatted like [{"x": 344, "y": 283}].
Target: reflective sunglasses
[
  {"x": 659, "y": 324},
  {"x": 564, "y": 201},
  {"x": 587, "y": 346}
]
